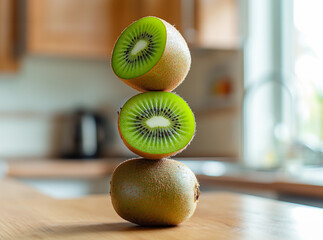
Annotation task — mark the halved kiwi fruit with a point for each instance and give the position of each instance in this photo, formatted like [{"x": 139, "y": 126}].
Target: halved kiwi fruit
[
  {"x": 156, "y": 125},
  {"x": 162, "y": 192},
  {"x": 151, "y": 55}
]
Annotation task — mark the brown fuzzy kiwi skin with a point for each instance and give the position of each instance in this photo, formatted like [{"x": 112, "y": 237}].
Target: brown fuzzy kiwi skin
[
  {"x": 154, "y": 193},
  {"x": 146, "y": 155},
  {"x": 170, "y": 70}
]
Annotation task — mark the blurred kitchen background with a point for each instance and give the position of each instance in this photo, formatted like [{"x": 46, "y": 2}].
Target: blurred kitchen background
[{"x": 255, "y": 86}]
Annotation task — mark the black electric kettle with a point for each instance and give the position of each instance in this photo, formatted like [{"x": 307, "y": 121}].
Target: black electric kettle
[{"x": 85, "y": 135}]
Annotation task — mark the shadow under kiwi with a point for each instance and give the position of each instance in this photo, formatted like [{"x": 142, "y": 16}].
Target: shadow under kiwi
[{"x": 83, "y": 228}]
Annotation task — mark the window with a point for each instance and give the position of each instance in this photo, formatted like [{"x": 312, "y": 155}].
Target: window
[
  {"x": 283, "y": 47},
  {"x": 308, "y": 69}
]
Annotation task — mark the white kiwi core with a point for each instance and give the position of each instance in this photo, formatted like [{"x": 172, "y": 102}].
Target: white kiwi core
[
  {"x": 140, "y": 45},
  {"x": 158, "y": 121}
]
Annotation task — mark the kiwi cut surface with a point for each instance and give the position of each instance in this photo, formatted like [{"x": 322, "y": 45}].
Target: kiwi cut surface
[
  {"x": 162, "y": 192},
  {"x": 139, "y": 48},
  {"x": 151, "y": 55},
  {"x": 156, "y": 125}
]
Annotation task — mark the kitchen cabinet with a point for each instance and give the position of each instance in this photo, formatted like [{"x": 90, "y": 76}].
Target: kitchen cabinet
[
  {"x": 216, "y": 24},
  {"x": 8, "y": 35},
  {"x": 89, "y": 28},
  {"x": 69, "y": 27},
  {"x": 169, "y": 10}
]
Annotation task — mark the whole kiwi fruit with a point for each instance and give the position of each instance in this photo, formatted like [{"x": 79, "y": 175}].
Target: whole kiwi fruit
[
  {"x": 151, "y": 55},
  {"x": 161, "y": 193},
  {"x": 156, "y": 125}
]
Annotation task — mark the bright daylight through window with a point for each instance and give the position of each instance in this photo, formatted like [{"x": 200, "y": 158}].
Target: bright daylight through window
[{"x": 308, "y": 69}]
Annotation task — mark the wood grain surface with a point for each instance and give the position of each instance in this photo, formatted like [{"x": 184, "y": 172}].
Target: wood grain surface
[
  {"x": 62, "y": 168},
  {"x": 218, "y": 216},
  {"x": 8, "y": 35}
]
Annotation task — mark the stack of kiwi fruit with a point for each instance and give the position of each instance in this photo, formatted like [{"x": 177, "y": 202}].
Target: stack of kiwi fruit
[{"x": 151, "y": 56}]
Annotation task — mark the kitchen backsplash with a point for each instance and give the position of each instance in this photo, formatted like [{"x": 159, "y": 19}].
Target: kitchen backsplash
[{"x": 33, "y": 101}]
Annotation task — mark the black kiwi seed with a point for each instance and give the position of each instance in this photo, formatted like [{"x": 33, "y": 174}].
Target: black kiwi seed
[
  {"x": 149, "y": 137},
  {"x": 143, "y": 54},
  {"x": 159, "y": 132}
]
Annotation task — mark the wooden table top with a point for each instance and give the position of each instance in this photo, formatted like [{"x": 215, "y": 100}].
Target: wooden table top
[{"x": 26, "y": 214}]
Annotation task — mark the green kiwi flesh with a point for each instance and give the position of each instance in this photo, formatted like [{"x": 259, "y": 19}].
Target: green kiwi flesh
[
  {"x": 139, "y": 48},
  {"x": 156, "y": 124},
  {"x": 151, "y": 55},
  {"x": 145, "y": 192}
]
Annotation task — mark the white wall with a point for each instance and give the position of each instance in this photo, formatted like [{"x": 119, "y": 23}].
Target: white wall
[
  {"x": 53, "y": 84},
  {"x": 44, "y": 87}
]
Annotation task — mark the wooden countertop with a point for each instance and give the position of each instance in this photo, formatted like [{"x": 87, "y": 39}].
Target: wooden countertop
[
  {"x": 234, "y": 176},
  {"x": 58, "y": 168},
  {"x": 26, "y": 214}
]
